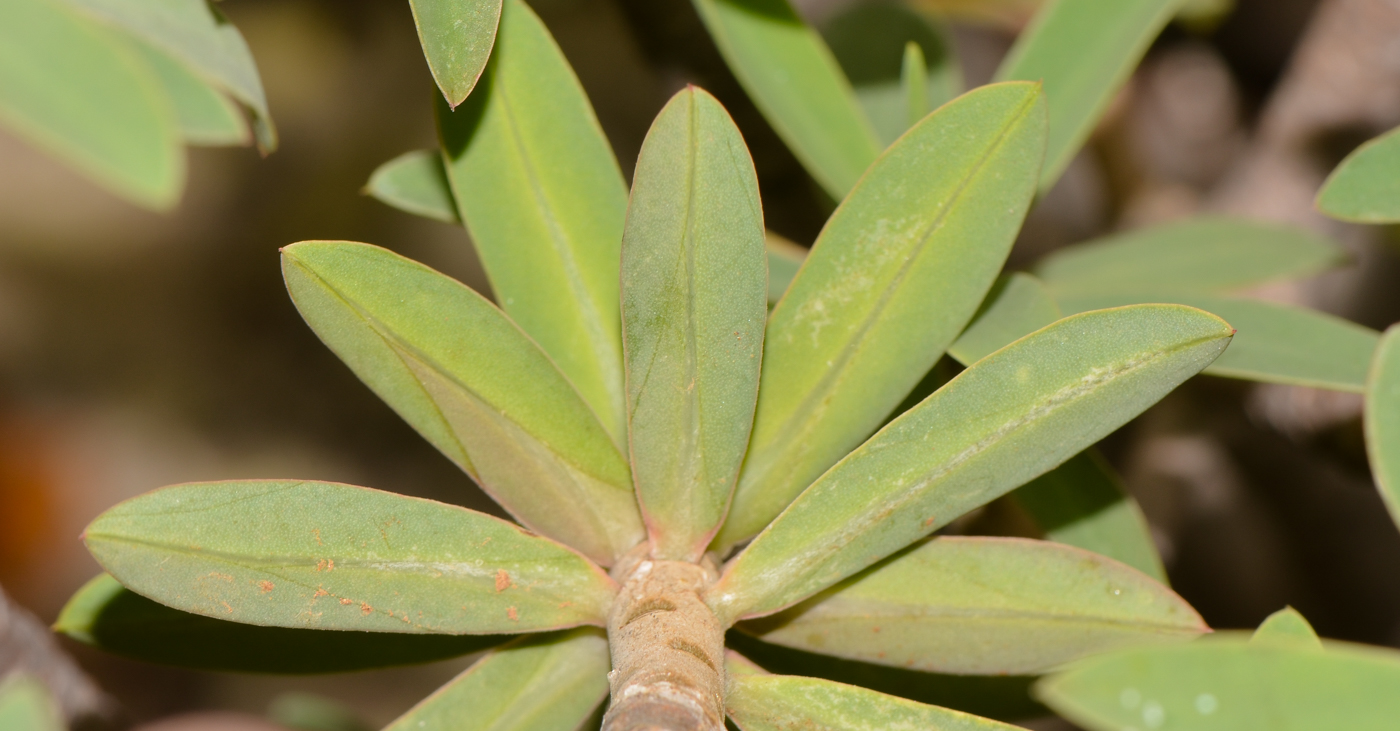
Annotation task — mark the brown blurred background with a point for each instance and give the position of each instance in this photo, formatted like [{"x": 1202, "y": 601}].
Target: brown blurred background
[{"x": 139, "y": 350}]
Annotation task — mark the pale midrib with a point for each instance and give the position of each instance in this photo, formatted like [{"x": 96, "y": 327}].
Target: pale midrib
[
  {"x": 798, "y": 422},
  {"x": 690, "y": 452},
  {"x": 921, "y": 615},
  {"x": 608, "y": 370}
]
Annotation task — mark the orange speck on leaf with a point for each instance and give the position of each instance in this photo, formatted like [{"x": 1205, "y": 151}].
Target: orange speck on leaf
[
  {"x": 226, "y": 606},
  {"x": 929, "y": 521},
  {"x": 265, "y": 585},
  {"x": 876, "y": 630},
  {"x": 365, "y": 608},
  {"x": 514, "y": 615},
  {"x": 317, "y": 533},
  {"x": 502, "y": 580},
  {"x": 565, "y": 605},
  {"x": 320, "y": 593},
  {"x": 346, "y": 601}
]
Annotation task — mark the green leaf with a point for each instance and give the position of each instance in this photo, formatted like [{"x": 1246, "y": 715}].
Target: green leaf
[
  {"x": 197, "y": 34},
  {"x": 82, "y": 93},
  {"x": 1276, "y": 343},
  {"x": 1083, "y": 51},
  {"x": 1382, "y": 420},
  {"x": 327, "y": 556},
  {"x": 457, "y": 36},
  {"x": 415, "y": 182},
  {"x": 474, "y": 386},
  {"x": 784, "y": 259},
  {"x": 897, "y": 272},
  {"x": 114, "y": 619},
  {"x": 783, "y": 702},
  {"x": 694, "y": 304},
  {"x": 1009, "y": 418},
  {"x": 1286, "y": 628},
  {"x": 795, "y": 81},
  {"x": 1229, "y": 684},
  {"x": 311, "y": 712},
  {"x": 1365, "y": 187},
  {"x": 1202, "y": 254},
  {"x": 25, "y": 705},
  {"x": 1083, "y": 503},
  {"x": 1017, "y": 305},
  {"x": 544, "y": 200},
  {"x": 549, "y": 683},
  {"x": 873, "y": 43},
  {"x": 984, "y": 606},
  {"x": 206, "y": 116}
]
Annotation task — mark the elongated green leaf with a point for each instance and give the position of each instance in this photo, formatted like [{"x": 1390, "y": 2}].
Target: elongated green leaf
[
  {"x": 895, "y": 276},
  {"x": 115, "y": 619},
  {"x": 25, "y": 705},
  {"x": 1083, "y": 51},
  {"x": 1382, "y": 420},
  {"x": 327, "y": 556},
  {"x": 781, "y": 702},
  {"x": 1275, "y": 343},
  {"x": 544, "y": 200},
  {"x": 197, "y": 34},
  {"x": 793, "y": 79},
  {"x": 1365, "y": 187},
  {"x": 1017, "y": 305},
  {"x": 1083, "y": 503},
  {"x": 549, "y": 683},
  {"x": 984, "y": 606},
  {"x": 474, "y": 386},
  {"x": 415, "y": 182},
  {"x": 784, "y": 259},
  {"x": 872, "y": 43},
  {"x": 1204, "y": 254},
  {"x": 80, "y": 92},
  {"x": 1288, "y": 629},
  {"x": 1228, "y": 684},
  {"x": 1009, "y": 418},
  {"x": 206, "y": 116},
  {"x": 457, "y": 36},
  {"x": 694, "y": 305}
]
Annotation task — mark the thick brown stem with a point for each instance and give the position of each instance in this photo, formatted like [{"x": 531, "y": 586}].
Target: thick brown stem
[{"x": 667, "y": 649}]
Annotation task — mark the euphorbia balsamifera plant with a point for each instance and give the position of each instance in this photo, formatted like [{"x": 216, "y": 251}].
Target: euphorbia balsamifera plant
[{"x": 656, "y": 415}]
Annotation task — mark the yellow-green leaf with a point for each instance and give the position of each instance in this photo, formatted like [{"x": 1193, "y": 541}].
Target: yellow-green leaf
[
  {"x": 1382, "y": 420},
  {"x": 894, "y": 277},
  {"x": 1365, "y": 187},
  {"x": 473, "y": 385},
  {"x": 1286, "y": 628},
  {"x": 206, "y": 116},
  {"x": 759, "y": 702},
  {"x": 984, "y": 606},
  {"x": 1009, "y": 418},
  {"x": 415, "y": 182},
  {"x": 544, "y": 201},
  {"x": 795, "y": 81},
  {"x": 320, "y": 555},
  {"x": 457, "y": 36},
  {"x": 115, "y": 619},
  {"x": 549, "y": 683},
  {"x": 25, "y": 705},
  {"x": 694, "y": 304}
]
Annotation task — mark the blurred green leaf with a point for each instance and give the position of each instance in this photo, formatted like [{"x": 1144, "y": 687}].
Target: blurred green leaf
[
  {"x": 784, "y": 259},
  {"x": 984, "y": 606},
  {"x": 197, "y": 34},
  {"x": 1286, "y": 628},
  {"x": 1083, "y": 503},
  {"x": 415, "y": 182},
  {"x": 328, "y": 556},
  {"x": 694, "y": 305},
  {"x": 81, "y": 92},
  {"x": 544, "y": 200},
  {"x": 1203, "y": 254},
  {"x": 310, "y": 712},
  {"x": 1382, "y": 420},
  {"x": 783, "y": 702},
  {"x": 1229, "y": 684},
  {"x": 1275, "y": 343},
  {"x": 457, "y": 36},
  {"x": 474, "y": 386},
  {"x": 25, "y": 705},
  {"x": 872, "y": 43},
  {"x": 206, "y": 116},
  {"x": 1009, "y": 418},
  {"x": 795, "y": 81},
  {"x": 549, "y": 683},
  {"x": 1083, "y": 51},
  {"x": 115, "y": 619},
  {"x": 1017, "y": 305},
  {"x": 898, "y": 271},
  {"x": 1365, "y": 187}
]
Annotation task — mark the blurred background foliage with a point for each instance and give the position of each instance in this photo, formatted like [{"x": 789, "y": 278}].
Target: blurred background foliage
[{"x": 140, "y": 349}]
